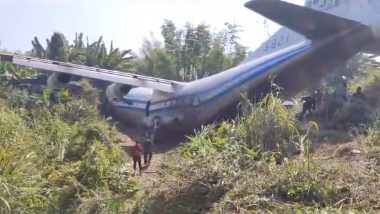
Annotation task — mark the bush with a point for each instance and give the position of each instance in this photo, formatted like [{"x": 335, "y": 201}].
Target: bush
[
  {"x": 373, "y": 136},
  {"x": 58, "y": 158},
  {"x": 353, "y": 114},
  {"x": 235, "y": 165},
  {"x": 268, "y": 125}
]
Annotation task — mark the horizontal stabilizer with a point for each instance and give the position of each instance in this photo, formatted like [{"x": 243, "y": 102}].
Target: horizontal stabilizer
[
  {"x": 158, "y": 84},
  {"x": 311, "y": 23}
]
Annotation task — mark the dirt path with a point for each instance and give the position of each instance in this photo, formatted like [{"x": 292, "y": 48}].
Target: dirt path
[{"x": 127, "y": 136}]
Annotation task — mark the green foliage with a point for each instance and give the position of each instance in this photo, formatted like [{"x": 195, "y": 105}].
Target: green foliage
[
  {"x": 58, "y": 158},
  {"x": 358, "y": 66},
  {"x": 92, "y": 54},
  {"x": 187, "y": 54},
  {"x": 267, "y": 125},
  {"x": 191, "y": 52},
  {"x": 97, "y": 55},
  {"x": 352, "y": 114},
  {"x": 301, "y": 186},
  {"x": 38, "y": 50},
  {"x": 234, "y": 167},
  {"x": 355, "y": 115},
  {"x": 9, "y": 71},
  {"x": 373, "y": 133},
  {"x": 57, "y": 48},
  {"x": 244, "y": 166}
]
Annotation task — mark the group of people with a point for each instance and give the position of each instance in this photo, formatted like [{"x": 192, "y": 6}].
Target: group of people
[
  {"x": 146, "y": 149},
  {"x": 146, "y": 145},
  {"x": 340, "y": 96}
]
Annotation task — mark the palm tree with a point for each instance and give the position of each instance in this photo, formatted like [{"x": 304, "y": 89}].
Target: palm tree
[
  {"x": 94, "y": 54},
  {"x": 98, "y": 56}
]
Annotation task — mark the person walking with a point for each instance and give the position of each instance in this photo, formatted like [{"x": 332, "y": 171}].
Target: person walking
[
  {"x": 136, "y": 151},
  {"x": 148, "y": 150},
  {"x": 308, "y": 106}
]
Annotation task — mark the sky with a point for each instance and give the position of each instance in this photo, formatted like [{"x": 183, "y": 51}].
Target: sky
[{"x": 126, "y": 22}]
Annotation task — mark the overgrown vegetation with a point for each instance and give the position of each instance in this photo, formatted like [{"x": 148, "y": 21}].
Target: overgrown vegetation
[
  {"x": 260, "y": 162},
  {"x": 58, "y": 159},
  {"x": 191, "y": 52},
  {"x": 62, "y": 158}
]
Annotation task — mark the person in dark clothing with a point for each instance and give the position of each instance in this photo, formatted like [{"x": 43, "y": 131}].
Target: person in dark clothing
[
  {"x": 340, "y": 94},
  {"x": 105, "y": 106},
  {"x": 148, "y": 150},
  {"x": 136, "y": 151},
  {"x": 308, "y": 105},
  {"x": 358, "y": 95},
  {"x": 318, "y": 99}
]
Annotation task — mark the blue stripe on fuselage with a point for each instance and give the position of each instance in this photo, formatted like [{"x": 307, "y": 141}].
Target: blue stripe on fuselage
[
  {"x": 258, "y": 70},
  {"x": 131, "y": 100}
]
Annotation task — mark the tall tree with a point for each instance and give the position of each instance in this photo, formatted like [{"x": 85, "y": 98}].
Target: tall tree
[
  {"x": 38, "y": 50},
  {"x": 191, "y": 52},
  {"x": 92, "y": 54},
  {"x": 156, "y": 61},
  {"x": 57, "y": 48}
]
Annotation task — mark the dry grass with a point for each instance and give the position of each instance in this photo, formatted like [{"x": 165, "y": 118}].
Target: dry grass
[{"x": 224, "y": 170}]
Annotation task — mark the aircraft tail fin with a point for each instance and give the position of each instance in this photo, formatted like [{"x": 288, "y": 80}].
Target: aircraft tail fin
[{"x": 311, "y": 23}]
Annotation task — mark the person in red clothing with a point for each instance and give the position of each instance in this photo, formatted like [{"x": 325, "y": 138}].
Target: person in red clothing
[{"x": 136, "y": 150}]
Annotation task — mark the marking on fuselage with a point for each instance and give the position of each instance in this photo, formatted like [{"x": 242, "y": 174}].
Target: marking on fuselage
[{"x": 210, "y": 95}]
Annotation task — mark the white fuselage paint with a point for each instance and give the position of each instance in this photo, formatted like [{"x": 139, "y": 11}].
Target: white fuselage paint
[{"x": 198, "y": 102}]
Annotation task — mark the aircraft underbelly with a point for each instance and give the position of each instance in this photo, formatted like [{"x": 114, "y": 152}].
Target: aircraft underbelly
[{"x": 323, "y": 57}]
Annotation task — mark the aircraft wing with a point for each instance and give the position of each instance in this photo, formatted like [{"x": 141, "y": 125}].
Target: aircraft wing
[
  {"x": 95, "y": 73},
  {"x": 311, "y": 23}
]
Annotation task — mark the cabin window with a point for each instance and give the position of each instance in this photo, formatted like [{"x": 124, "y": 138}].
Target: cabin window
[{"x": 128, "y": 101}]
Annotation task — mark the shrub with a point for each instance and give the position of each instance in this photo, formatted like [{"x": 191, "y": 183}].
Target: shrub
[
  {"x": 353, "y": 114},
  {"x": 268, "y": 125},
  {"x": 57, "y": 158},
  {"x": 235, "y": 164}
]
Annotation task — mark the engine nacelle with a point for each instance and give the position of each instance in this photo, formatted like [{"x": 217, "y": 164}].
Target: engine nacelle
[
  {"x": 116, "y": 91},
  {"x": 58, "y": 80}
]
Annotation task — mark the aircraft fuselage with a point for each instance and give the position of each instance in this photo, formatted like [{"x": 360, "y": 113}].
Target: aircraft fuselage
[
  {"x": 203, "y": 101},
  {"x": 296, "y": 63}
]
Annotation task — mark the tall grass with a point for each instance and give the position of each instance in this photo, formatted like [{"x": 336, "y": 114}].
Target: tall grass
[
  {"x": 58, "y": 159},
  {"x": 267, "y": 125},
  {"x": 246, "y": 165}
]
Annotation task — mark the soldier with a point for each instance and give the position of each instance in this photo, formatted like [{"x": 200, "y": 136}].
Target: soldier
[
  {"x": 341, "y": 92},
  {"x": 308, "y": 105},
  {"x": 148, "y": 150},
  {"x": 358, "y": 95}
]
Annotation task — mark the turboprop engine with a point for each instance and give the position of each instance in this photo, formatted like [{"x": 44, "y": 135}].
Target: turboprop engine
[
  {"x": 58, "y": 80},
  {"x": 116, "y": 91}
]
